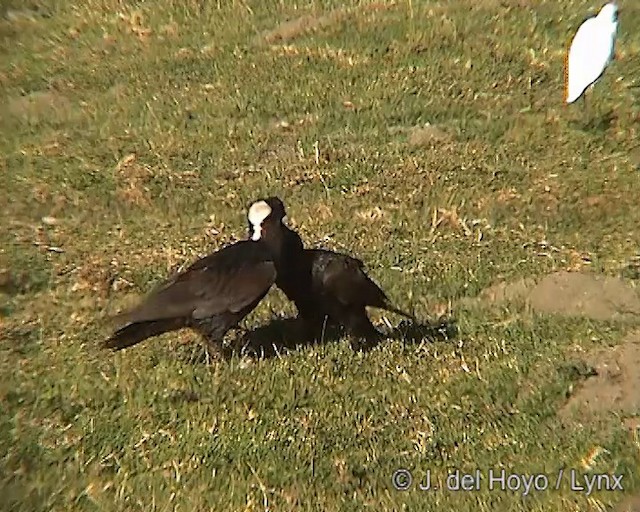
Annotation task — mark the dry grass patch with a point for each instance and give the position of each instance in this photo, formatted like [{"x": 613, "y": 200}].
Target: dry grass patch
[
  {"x": 340, "y": 56},
  {"x": 131, "y": 178}
]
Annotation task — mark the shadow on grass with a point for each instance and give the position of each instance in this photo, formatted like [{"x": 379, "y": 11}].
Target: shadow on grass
[
  {"x": 283, "y": 335},
  {"x": 18, "y": 495},
  {"x": 595, "y": 124}
]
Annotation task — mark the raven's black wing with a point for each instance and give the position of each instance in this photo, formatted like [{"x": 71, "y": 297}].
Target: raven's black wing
[
  {"x": 227, "y": 281},
  {"x": 344, "y": 278}
]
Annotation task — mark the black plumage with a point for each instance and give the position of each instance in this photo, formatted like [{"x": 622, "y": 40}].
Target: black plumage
[
  {"x": 216, "y": 292},
  {"x": 327, "y": 286}
]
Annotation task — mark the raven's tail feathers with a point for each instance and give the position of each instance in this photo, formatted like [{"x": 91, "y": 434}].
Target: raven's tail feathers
[{"x": 133, "y": 334}]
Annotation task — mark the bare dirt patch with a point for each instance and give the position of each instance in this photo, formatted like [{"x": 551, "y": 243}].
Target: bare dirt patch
[
  {"x": 577, "y": 294},
  {"x": 631, "y": 504},
  {"x": 570, "y": 294},
  {"x": 39, "y": 106},
  {"x": 292, "y": 29},
  {"x": 298, "y": 27},
  {"x": 428, "y": 135},
  {"x": 615, "y": 387}
]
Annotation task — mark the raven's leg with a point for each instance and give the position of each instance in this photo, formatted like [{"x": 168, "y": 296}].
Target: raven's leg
[
  {"x": 311, "y": 327},
  {"x": 212, "y": 331},
  {"x": 358, "y": 324}
]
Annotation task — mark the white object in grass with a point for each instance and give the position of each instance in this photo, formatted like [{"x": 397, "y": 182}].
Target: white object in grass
[{"x": 591, "y": 51}]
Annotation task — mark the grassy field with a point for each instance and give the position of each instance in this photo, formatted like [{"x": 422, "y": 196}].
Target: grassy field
[{"x": 135, "y": 133}]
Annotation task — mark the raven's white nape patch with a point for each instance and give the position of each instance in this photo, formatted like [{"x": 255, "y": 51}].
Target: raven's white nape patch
[{"x": 258, "y": 211}]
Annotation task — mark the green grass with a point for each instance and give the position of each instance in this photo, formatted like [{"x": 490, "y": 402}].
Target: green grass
[{"x": 194, "y": 93}]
